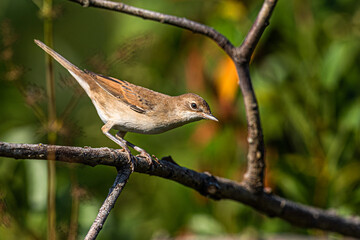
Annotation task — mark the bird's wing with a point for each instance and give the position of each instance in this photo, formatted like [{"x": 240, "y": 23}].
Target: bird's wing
[{"x": 124, "y": 91}]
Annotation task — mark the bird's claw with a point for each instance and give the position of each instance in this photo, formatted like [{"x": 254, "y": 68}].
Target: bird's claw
[
  {"x": 147, "y": 156},
  {"x": 127, "y": 152}
]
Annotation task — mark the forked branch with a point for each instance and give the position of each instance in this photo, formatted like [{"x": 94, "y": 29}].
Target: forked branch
[
  {"x": 206, "y": 184},
  {"x": 250, "y": 191},
  {"x": 254, "y": 177}
]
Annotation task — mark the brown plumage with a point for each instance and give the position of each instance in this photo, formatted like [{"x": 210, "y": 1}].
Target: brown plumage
[{"x": 130, "y": 108}]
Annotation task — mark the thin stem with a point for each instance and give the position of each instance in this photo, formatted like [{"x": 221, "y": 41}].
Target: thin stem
[
  {"x": 50, "y": 82},
  {"x": 52, "y": 135}
]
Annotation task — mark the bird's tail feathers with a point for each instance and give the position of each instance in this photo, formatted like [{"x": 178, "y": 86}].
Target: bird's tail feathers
[{"x": 64, "y": 62}]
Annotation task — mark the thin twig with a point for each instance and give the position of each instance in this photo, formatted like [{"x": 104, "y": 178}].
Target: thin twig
[
  {"x": 247, "y": 48},
  {"x": 193, "y": 26},
  {"x": 119, "y": 184},
  {"x": 206, "y": 184},
  {"x": 52, "y": 133}
]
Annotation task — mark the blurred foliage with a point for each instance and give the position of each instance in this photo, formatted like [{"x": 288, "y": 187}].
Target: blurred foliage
[{"x": 305, "y": 73}]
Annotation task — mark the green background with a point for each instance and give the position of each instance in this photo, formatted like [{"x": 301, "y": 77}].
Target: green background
[{"x": 305, "y": 73}]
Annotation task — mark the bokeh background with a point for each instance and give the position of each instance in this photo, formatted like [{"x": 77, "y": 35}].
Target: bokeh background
[{"x": 305, "y": 73}]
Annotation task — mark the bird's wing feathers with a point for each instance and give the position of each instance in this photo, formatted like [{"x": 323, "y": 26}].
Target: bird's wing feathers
[{"x": 124, "y": 91}]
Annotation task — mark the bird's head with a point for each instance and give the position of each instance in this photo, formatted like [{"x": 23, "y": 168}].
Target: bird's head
[{"x": 192, "y": 107}]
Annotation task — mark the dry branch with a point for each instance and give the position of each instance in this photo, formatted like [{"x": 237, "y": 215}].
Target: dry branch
[
  {"x": 184, "y": 23},
  {"x": 119, "y": 184},
  {"x": 206, "y": 184},
  {"x": 250, "y": 191}
]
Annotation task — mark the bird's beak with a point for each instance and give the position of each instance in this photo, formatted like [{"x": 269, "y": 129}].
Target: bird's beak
[{"x": 210, "y": 117}]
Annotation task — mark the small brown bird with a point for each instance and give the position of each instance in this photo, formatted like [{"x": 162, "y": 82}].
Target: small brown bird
[{"x": 129, "y": 108}]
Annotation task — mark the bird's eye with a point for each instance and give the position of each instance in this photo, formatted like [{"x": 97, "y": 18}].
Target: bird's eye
[{"x": 193, "y": 105}]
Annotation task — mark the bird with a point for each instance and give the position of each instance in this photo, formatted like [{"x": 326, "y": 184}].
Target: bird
[{"x": 127, "y": 107}]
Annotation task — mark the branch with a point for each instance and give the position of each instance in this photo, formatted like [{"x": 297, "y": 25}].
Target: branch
[
  {"x": 254, "y": 176},
  {"x": 206, "y": 184},
  {"x": 119, "y": 184},
  {"x": 195, "y": 27},
  {"x": 246, "y": 50}
]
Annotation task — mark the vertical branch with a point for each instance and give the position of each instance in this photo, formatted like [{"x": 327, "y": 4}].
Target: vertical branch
[
  {"x": 119, "y": 184},
  {"x": 254, "y": 176},
  {"x": 50, "y": 89}
]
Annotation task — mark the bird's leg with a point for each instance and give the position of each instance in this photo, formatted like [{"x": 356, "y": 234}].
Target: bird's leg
[
  {"x": 121, "y": 142},
  {"x": 120, "y": 135}
]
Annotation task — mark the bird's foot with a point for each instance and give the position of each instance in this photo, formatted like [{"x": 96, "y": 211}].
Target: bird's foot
[{"x": 145, "y": 155}]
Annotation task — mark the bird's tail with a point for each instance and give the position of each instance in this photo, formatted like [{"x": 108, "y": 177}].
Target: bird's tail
[
  {"x": 64, "y": 62},
  {"x": 81, "y": 77}
]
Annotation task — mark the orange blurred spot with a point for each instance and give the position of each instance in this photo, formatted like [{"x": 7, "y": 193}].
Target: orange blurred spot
[{"x": 226, "y": 81}]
